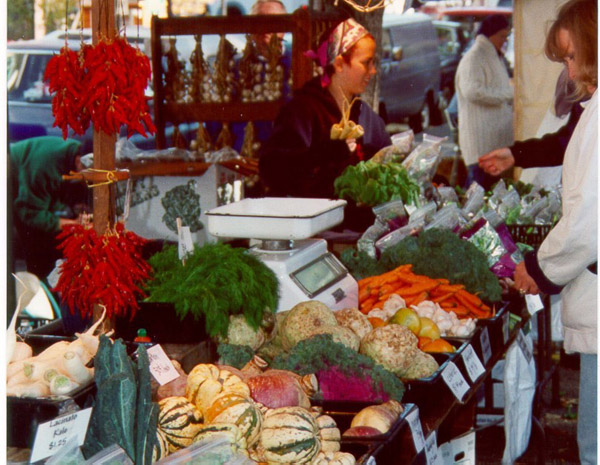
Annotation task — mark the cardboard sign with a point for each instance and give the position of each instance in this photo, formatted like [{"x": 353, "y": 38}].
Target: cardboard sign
[
  {"x": 455, "y": 381},
  {"x": 184, "y": 239},
  {"x": 414, "y": 422},
  {"x": 506, "y": 326},
  {"x": 431, "y": 449},
  {"x": 534, "y": 303},
  {"x": 472, "y": 363},
  {"x": 522, "y": 343},
  {"x": 51, "y": 436},
  {"x": 486, "y": 347},
  {"x": 160, "y": 365}
]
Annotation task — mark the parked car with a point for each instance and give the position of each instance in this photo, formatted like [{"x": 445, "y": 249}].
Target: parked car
[
  {"x": 242, "y": 7},
  {"x": 471, "y": 17},
  {"x": 452, "y": 42},
  {"x": 410, "y": 71}
]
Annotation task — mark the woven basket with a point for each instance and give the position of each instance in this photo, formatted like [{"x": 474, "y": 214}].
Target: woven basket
[{"x": 530, "y": 234}]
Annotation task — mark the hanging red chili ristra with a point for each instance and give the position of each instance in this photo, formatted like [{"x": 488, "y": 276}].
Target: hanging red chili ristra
[
  {"x": 107, "y": 270},
  {"x": 116, "y": 79},
  {"x": 65, "y": 74}
]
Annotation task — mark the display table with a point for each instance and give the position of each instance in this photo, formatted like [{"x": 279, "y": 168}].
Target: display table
[{"x": 440, "y": 412}]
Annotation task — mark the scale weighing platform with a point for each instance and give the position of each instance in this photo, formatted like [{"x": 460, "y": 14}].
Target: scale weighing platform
[{"x": 282, "y": 228}]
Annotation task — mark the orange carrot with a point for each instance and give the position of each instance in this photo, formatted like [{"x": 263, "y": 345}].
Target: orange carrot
[
  {"x": 363, "y": 294},
  {"x": 450, "y": 287},
  {"x": 470, "y": 297},
  {"x": 443, "y": 281},
  {"x": 450, "y": 303},
  {"x": 459, "y": 310},
  {"x": 417, "y": 288},
  {"x": 442, "y": 297},
  {"x": 466, "y": 302},
  {"x": 368, "y": 302},
  {"x": 416, "y": 299}
]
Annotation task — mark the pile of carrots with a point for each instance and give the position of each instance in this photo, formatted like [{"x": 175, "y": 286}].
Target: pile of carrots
[{"x": 414, "y": 289}]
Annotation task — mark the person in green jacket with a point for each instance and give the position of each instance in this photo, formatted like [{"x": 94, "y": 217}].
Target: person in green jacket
[{"x": 40, "y": 196}]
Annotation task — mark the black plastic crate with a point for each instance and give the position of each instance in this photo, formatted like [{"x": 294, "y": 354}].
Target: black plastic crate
[
  {"x": 384, "y": 448},
  {"x": 530, "y": 234},
  {"x": 23, "y": 414}
]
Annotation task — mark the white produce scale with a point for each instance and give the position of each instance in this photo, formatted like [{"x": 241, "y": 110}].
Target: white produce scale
[{"x": 282, "y": 228}]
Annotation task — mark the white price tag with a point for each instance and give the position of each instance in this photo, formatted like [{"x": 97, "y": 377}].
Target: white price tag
[
  {"x": 184, "y": 236},
  {"x": 472, "y": 363},
  {"x": 160, "y": 365},
  {"x": 414, "y": 422},
  {"x": 455, "y": 380},
  {"x": 410, "y": 209},
  {"x": 486, "y": 347},
  {"x": 371, "y": 461},
  {"x": 506, "y": 326},
  {"x": 534, "y": 303},
  {"x": 524, "y": 346},
  {"x": 54, "y": 434},
  {"x": 431, "y": 449},
  {"x": 127, "y": 201}
]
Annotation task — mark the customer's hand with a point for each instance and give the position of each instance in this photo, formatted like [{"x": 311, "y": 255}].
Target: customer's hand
[
  {"x": 497, "y": 161},
  {"x": 523, "y": 282}
]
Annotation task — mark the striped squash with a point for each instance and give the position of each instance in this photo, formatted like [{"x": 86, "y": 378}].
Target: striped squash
[
  {"x": 207, "y": 381},
  {"x": 179, "y": 420},
  {"x": 289, "y": 435},
  {"x": 161, "y": 446},
  {"x": 232, "y": 432},
  {"x": 329, "y": 433},
  {"x": 334, "y": 458},
  {"x": 239, "y": 410}
]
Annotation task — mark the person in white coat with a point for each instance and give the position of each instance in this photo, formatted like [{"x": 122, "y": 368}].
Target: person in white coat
[
  {"x": 485, "y": 97},
  {"x": 566, "y": 261}
]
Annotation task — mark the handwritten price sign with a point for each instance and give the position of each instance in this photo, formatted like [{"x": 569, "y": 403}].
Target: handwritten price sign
[
  {"x": 455, "y": 381},
  {"x": 160, "y": 365},
  {"x": 54, "y": 434}
]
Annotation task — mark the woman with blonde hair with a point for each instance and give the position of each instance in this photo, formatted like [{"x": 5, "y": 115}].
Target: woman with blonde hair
[{"x": 566, "y": 261}]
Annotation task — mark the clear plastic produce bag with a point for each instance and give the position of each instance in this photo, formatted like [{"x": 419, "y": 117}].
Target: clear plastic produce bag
[{"x": 422, "y": 162}]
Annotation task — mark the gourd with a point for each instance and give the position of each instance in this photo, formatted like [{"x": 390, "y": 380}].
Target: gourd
[
  {"x": 381, "y": 417},
  {"x": 302, "y": 321},
  {"x": 179, "y": 420},
  {"x": 334, "y": 458},
  {"x": 329, "y": 434},
  {"x": 289, "y": 435},
  {"x": 231, "y": 431},
  {"x": 282, "y": 388},
  {"x": 207, "y": 381},
  {"x": 239, "y": 410},
  {"x": 161, "y": 446}
]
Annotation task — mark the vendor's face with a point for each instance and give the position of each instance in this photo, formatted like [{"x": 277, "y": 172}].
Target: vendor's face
[{"x": 357, "y": 74}]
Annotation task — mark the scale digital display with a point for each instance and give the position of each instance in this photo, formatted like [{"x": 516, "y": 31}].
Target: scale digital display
[{"x": 319, "y": 274}]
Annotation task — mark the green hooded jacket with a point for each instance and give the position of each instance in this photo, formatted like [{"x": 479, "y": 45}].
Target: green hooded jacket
[{"x": 37, "y": 166}]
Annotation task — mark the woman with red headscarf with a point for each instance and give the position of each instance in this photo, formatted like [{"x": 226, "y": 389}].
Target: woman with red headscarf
[{"x": 323, "y": 129}]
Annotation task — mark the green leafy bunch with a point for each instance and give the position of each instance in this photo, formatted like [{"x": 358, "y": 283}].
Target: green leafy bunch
[
  {"x": 320, "y": 353},
  {"x": 437, "y": 253},
  {"x": 369, "y": 183},
  {"x": 234, "y": 355},
  {"x": 216, "y": 281}
]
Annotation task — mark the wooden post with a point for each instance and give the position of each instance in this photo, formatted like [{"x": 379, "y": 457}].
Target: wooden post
[{"x": 103, "y": 25}]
